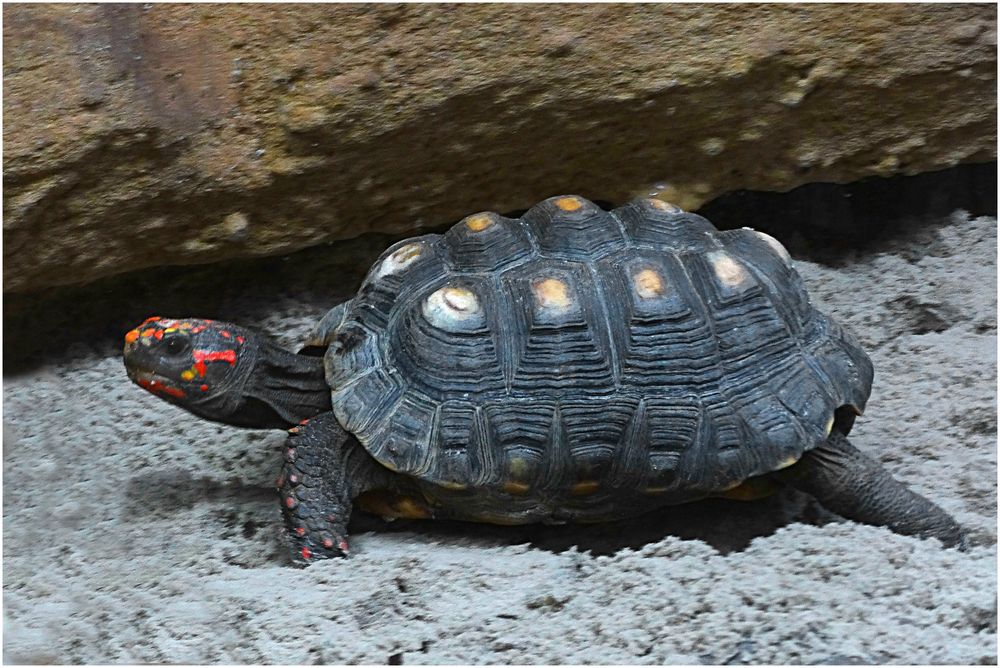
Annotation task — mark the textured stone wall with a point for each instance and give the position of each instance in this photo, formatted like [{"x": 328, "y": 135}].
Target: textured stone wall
[{"x": 144, "y": 135}]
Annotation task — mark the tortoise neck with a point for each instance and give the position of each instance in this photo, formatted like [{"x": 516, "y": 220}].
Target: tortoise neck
[{"x": 284, "y": 388}]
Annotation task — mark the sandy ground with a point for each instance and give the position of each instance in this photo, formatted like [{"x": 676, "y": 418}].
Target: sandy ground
[{"x": 134, "y": 532}]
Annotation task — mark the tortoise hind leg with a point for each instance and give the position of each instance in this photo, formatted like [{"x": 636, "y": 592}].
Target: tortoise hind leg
[
  {"x": 853, "y": 485},
  {"x": 325, "y": 469}
]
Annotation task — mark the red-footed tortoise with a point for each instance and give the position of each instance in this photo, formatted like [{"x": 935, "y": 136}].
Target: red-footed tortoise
[{"x": 571, "y": 365}]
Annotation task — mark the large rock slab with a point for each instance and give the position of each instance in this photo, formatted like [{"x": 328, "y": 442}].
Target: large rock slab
[{"x": 144, "y": 135}]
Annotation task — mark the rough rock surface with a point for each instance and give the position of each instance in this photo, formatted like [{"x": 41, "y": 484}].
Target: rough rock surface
[
  {"x": 143, "y": 135},
  {"x": 135, "y": 533}
]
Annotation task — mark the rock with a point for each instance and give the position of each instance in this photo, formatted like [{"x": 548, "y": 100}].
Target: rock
[{"x": 145, "y": 135}]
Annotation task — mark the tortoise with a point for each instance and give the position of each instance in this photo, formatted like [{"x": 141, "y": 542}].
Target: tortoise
[{"x": 571, "y": 365}]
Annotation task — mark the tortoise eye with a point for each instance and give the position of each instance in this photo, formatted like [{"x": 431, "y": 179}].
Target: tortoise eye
[{"x": 175, "y": 345}]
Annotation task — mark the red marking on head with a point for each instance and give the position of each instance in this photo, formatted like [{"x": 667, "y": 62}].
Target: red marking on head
[
  {"x": 132, "y": 336},
  {"x": 160, "y": 388},
  {"x": 300, "y": 531},
  {"x": 240, "y": 339},
  {"x": 148, "y": 332},
  {"x": 289, "y": 502},
  {"x": 225, "y": 334},
  {"x": 199, "y": 366},
  {"x": 158, "y": 334},
  {"x": 153, "y": 319},
  {"x": 304, "y": 421},
  {"x": 215, "y": 356},
  {"x": 204, "y": 388},
  {"x": 327, "y": 543},
  {"x": 199, "y": 328},
  {"x": 306, "y": 553},
  {"x": 343, "y": 546}
]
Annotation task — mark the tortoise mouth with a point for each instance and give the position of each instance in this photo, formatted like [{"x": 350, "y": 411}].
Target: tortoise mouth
[{"x": 156, "y": 383}]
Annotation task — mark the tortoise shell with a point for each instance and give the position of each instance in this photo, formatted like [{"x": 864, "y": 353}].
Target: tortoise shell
[{"x": 576, "y": 352}]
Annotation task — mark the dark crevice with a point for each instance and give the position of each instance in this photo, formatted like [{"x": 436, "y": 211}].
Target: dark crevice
[
  {"x": 821, "y": 222},
  {"x": 826, "y": 222}
]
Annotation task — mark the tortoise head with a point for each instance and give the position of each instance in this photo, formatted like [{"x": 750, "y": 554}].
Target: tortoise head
[{"x": 224, "y": 372}]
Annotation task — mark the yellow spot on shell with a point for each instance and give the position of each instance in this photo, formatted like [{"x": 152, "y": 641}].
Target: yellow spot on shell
[
  {"x": 750, "y": 490},
  {"x": 411, "y": 509},
  {"x": 660, "y": 205},
  {"x": 516, "y": 488},
  {"x": 569, "y": 203},
  {"x": 786, "y": 462},
  {"x": 450, "y": 306},
  {"x": 401, "y": 258},
  {"x": 727, "y": 270},
  {"x": 648, "y": 284},
  {"x": 479, "y": 222},
  {"x": 460, "y": 299},
  {"x": 552, "y": 293},
  {"x": 392, "y": 506},
  {"x": 187, "y": 375},
  {"x": 585, "y": 487}
]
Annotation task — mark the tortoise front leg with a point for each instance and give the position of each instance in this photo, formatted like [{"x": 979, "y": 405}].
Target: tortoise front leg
[
  {"x": 848, "y": 482},
  {"x": 325, "y": 469}
]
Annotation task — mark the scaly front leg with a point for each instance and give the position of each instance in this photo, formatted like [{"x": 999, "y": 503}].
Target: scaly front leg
[{"x": 325, "y": 469}]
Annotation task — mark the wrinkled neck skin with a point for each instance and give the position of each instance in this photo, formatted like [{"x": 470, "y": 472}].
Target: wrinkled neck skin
[{"x": 280, "y": 390}]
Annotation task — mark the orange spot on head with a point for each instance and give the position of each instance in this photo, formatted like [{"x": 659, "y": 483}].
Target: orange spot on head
[
  {"x": 188, "y": 374},
  {"x": 306, "y": 553},
  {"x": 569, "y": 203},
  {"x": 146, "y": 333},
  {"x": 185, "y": 325},
  {"x": 153, "y": 319},
  {"x": 158, "y": 334},
  {"x": 204, "y": 388},
  {"x": 225, "y": 334},
  {"x": 132, "y": 336}
]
